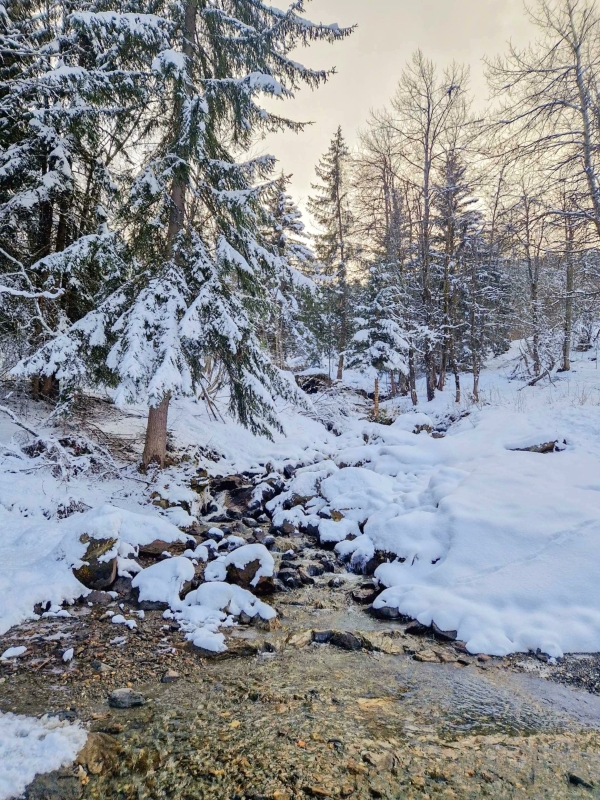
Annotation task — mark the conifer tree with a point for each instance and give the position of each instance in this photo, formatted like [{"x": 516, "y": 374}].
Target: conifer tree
[
  {"x": 293, "y": 288},
  {"x": 331, "y": 209},
  {"x": 194, "y": 213}
]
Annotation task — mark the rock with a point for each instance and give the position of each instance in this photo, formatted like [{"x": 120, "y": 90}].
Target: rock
[
  {"x": 464, "y": 661},
  {"x": 346, "y": 640},
  {"x": 448, "y": 657},
  {"x": 545, "y": 447},
  {"x": 236, "y": 648},
  {"x": 315, "y": 570},
  {"x": 96, "y": 574},
  {"x": 428, "y": 656},
  {"x": 483, "y": 659},
  {"x": 416, "y": 629},
  {"x": 125, "y": 698},
  {"x": 99, "y": 753},
  {"x": 227, "y": 484},
  {"x": 300, "y": 639},
  {"x": 267, "y": 625},
  {"x": 575, "y": 780},
  {"x": 386, "y": 612},
  {"x": 58, "y": 785},
  {"x": 285, "y": 529},
  {"x": 148, "y": 605},
  {"x": 335, "y": 583},
  {"x": 305, "y": 578},
  {"x": 243, "y": 576},
  {"x": 64, "y": 715},
  {"x": 443, "y": 636},
  {"x": 170, "y": 676},
  {"x": 390, "y": 643},
  {"x": 98, "y": 598},
  {"x": 249, "y": 522},
  {"x": 100, "y": 668},
  {"x": 322, "y": 637},
  {"x": 156, "y": 548},
  {"x": 383, "y": 762},
  {"x": 123, "y": 587},
  {"x": 317, "y": 791},
  {"x": 328, "y": 564},
  {"x": 365, "y": 595},
  {"x": 289, "y": 578}
]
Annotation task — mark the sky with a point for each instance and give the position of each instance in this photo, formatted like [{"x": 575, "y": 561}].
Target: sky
[{"x": 370, "y": 61}]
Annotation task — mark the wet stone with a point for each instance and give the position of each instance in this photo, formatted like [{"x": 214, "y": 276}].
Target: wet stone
[
  {"x": 125, "y": 698},
  {"x": 346, "y": 640},
  {"x": 59, "y": 785}
]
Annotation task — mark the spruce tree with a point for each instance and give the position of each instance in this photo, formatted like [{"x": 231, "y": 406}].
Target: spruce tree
[
  {"x": 331, "y": 209},
  {"x": 293, "y": 289},
  {"x": 194, "y": 217}
]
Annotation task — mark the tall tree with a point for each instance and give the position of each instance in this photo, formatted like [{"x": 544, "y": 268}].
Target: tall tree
[
  {"x": 194, "y": 216},
  {"x": 331, "y": 209}
]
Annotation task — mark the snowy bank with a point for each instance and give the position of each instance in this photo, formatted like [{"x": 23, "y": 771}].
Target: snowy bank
[{"x": 30, "y": 746}]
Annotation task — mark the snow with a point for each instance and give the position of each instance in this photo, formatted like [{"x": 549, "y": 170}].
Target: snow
[
  {"x": 240, "y": 558},
  {"x": 162, "y": 582},
  {"x": 475, "y": 534},
  {"x": 37, "y": 560},
  {"x": 208, "y": 607},
  {"x": 30, "y": 746},
  {"x": 13, "y": 652}
]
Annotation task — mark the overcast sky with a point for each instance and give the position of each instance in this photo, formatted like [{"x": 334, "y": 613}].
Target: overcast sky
[{"x": 370, "y": 61}]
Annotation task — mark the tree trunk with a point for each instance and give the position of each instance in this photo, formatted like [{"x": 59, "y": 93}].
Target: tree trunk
[
  {"x": 156, "y": 431},
  {"x": 570, "y": 286},
  {"x": 376, "y": 401},
  {"x": 155, "y": 448},
  {"x": 393, "y": 389},
  {"x": 455, "y": 370},
  {"x": 412, "y": 377},
  {"x": 340, "y": 369}
]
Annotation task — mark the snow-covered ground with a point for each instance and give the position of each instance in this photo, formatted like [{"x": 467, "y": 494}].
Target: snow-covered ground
[
  {"x": 472, "y": 531},
  {"x": 30, "y": 746},
  {"x": 479, "y": 537}
]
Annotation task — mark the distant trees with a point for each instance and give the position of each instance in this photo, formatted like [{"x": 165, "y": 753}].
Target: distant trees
[{"x": 331, "y": 209}]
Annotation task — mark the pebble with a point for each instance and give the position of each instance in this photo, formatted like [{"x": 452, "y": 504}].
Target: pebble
[
  {"x": 125, "y": 698},
  {"x": 170, "y": 676},
  {"x": 100, "y": 668}
]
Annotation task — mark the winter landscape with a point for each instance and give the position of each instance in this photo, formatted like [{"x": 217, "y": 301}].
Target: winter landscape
[{"x": 299, "y": 493}]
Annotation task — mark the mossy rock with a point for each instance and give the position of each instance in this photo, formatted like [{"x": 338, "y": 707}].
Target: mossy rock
[{"x": 96, "y": 574}]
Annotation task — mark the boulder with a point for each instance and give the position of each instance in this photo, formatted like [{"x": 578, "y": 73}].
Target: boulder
[
  {"x": 97, "y": 574},
  {"x": 346, "y": 640},
  {"x": 156, "y": 548},
  {"x": 364, "y": 595},
  {"x": 243, "y": 576}
]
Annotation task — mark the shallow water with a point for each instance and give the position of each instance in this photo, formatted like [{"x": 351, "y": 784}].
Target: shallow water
[{"x": 356, "y": 724}]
